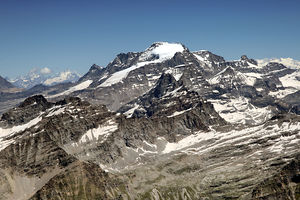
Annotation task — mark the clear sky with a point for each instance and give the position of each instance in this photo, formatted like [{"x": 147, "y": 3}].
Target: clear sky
[{"x": 74, "y": 34}]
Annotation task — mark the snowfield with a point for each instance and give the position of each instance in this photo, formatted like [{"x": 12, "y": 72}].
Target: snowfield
[{"x": 241, "y": 111}]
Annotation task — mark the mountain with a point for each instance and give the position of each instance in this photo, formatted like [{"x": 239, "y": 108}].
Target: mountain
[
  {"x": 234, "y": 87},
  {"x": 165, "y": 123},
  {"x": 6, "y": 86},
  {"x": 44, "y": 76}
]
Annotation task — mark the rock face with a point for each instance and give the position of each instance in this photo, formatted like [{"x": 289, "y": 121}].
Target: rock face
[
  {"x": 80, "y": 181},
  {"x": 170, "y": 98},
  {"x": 173, "y": 124},
  {"x": 284, "y": 185},
  {"x": 26, "y": 111}
]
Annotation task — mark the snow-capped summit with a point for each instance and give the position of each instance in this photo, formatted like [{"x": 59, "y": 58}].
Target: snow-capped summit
[
  {"x": 65, "y": 76},
  {"x": 156, "y": 53},
  {"x": 161, "y": 51}
]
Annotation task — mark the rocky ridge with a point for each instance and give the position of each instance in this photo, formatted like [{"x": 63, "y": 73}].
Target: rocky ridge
[{"x": 67, "y": 139}]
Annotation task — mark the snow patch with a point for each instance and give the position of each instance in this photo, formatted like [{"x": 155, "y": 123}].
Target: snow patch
[
  {"x": 240, "y": 110},
  {"x": 246, "y": 78},
  {"x": 179, "y": 113},
  {"x": 129, "y": 113},
  {"x": 77, "y": 87},
  {"x": 103, "y": 130},
  {"x": 175, "y": 72},
  {"x": 15, "y": 129},
  {"x": 200, "y": 58},
  {"x": 188, "y": 141},
  {"x": 55, "y": 111},
  {"x": 214, "y": 139},
  {"x": 290, "y": 80}
]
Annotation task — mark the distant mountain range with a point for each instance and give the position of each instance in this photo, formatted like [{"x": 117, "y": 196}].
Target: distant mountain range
[
  {"x": 44, "y": 76},
  {"x": 288, "y": 62}
]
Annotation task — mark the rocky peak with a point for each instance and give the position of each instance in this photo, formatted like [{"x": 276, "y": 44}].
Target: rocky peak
[
  {"x": 94, "y": 73},
  {"x": 209, "y": 56},
  {"x": 72, "y": 100},
  {"x": 29, "y": 109},
  {"x": 245, "y": 58},
  {"x": 95, "y": 67},
  {"x": 125, "y": 57},
  {"x": 165, "y": 83},
  {"x": 122, "y": 60},
  {"x": 35, "y": 100}
]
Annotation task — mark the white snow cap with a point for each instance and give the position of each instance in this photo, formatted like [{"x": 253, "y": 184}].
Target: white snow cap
[{"x": 163, "y": 51}]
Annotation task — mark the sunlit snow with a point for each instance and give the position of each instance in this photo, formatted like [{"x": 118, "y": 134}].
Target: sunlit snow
[
  {"x": 103, "y": 130},
  {"x": 290, "y": 80},
  {"x": 77, "y": 87},
  {"x": 240, "y": 110},
  {"x": 15, "y": 129}
]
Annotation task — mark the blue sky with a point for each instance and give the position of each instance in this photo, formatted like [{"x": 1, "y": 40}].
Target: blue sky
[{"x": 61, "y": 34}]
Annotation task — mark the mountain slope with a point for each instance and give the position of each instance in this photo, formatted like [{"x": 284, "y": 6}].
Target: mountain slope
[
  {"x": 53, "y": 147},
  {"x": 6, "y": 86},
  {"x": 49, "y": 131}
]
